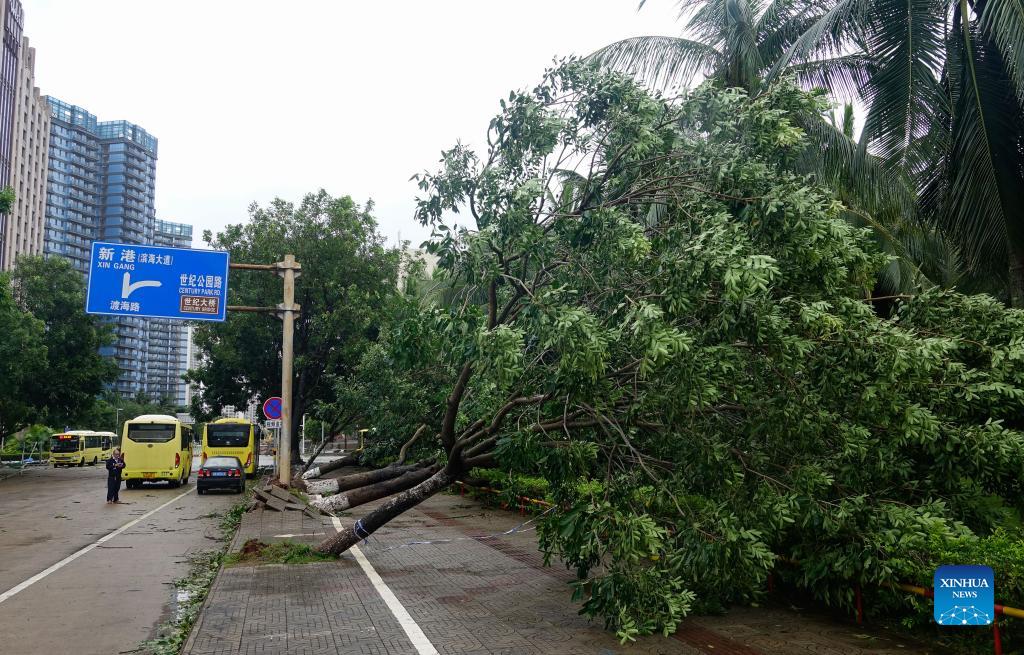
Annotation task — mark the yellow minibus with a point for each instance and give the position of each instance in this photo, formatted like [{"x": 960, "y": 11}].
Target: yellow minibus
[
  {"x": 156, "y": 448},
  {"x": 68, "y": 448},
  {"x": 108, "y": 442},
  {"x": 233, "y": 437}
]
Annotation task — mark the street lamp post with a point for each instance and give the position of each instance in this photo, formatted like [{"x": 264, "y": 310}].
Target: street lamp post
[
  {"x": 117, "y": 419},
  {"x": 302, "y": 444}
]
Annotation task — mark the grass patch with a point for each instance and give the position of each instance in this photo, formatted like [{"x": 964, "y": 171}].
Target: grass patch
[
  {"x": 194, "y": 587},
  {"x": 279, "y": 552},
  {"x": 192, "y": 591}
]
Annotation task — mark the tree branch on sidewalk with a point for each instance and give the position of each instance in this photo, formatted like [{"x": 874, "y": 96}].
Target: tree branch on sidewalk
[{"x": 668, "y": 328}]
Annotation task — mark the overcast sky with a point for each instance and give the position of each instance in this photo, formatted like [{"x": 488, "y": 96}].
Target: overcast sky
[{"x": 253, "y": 99}]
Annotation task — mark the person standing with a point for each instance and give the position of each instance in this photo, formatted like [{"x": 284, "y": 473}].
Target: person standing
[{"x": 114, "y": 467}]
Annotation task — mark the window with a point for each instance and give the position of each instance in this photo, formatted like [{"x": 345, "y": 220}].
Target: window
[
  {"x": 219, "y": 462},
  {"x": 65, "y": 443},
  {"x": 152, "y": 433},
  {"x": 227, "y": 436}
]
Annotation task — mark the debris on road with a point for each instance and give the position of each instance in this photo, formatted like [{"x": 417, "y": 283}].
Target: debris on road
[{"x": 279, "y": 500}]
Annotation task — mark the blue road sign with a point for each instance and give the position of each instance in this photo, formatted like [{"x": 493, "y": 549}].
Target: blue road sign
[
  {"x": 272, "y": 408},
  {"x": 130, "y": 280}
]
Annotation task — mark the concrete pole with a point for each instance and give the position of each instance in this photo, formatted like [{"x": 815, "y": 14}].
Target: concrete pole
[{"x": 288, "y": 308}]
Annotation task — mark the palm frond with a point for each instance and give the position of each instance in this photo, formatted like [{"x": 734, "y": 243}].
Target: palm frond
[
  {"x": 907, "y": 50},
  {"x": 985, "y": 188},
  {"x": 1003, "y": 22},
  {"x": 661, "y": 61},
  {"x": 859, "y": 177},
  {"x": 782, "y": 23},
  {"x": 830, "y": 35},
  {"x": 730, "y": 27},
  {"x": 844, "y": 75}
]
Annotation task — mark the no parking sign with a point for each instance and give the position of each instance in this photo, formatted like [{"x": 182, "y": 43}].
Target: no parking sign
[{"x": 272, "y": 408}]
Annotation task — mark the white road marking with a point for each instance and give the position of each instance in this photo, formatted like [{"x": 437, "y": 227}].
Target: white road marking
[
  {"x": 78, "y": 553},
  {"x": 412, "y": 630}
]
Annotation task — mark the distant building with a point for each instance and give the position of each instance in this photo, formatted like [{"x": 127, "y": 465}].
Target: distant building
[
  {"x": 13, "y": 16},
  {"x": 411, "y": 255},
  {"x": 101, "y": 185},
  {"x": 193, "y": 359},
  {"x": 73, "y": 184},
  {"x": 11, "y": 19},
  {"x": 30, "y": 147},
  {"x": 167, "y": 343}
]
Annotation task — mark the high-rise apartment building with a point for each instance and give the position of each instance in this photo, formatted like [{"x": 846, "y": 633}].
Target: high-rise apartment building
[
  {"x": 31, "y": 143},
  {"x": 168, "y": 341},
  {"x": 73, "y": 184},
  {"x": 11, "y": 17},
  {"x": 101, "y": 186}
]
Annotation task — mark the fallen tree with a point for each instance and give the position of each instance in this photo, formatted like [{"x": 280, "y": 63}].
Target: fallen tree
[
  {"x": 354, "y": 481},
  {"x": 657, "y": 311},
  {"x": 351, "y": 459},
  {"x": 357, "y": 480}
]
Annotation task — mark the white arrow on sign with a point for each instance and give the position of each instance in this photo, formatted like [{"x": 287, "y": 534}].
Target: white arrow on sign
[{"x": 127, "y": 288}]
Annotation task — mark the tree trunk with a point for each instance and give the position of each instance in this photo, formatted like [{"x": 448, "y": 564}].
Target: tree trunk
[
  {"x": 405, "y": 447},
  {"x": 357, "y": 480},
  {"x": 309, "y": 462},
  {"x": 370, "y": 523},
  {"x": 1016, "y": 278},
  {"x": 298, "y": 409},
  {"x": 374, "y": 492},
  {"x": 348, "y": 460}
]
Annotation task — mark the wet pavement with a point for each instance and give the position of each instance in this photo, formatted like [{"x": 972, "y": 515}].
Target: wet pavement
[
  {"x": 467, "y": 592},
  {"x": 114, "y": 596}
]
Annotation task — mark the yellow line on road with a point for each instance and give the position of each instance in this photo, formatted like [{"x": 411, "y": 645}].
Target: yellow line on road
[{"x": 78, "y": 553}]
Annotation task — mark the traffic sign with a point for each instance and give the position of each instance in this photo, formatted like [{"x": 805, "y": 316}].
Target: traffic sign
[
  {"x": 272, "y": 407},
  {"x": 179, "y": 283},
  {"x": 272, "y": 424}
]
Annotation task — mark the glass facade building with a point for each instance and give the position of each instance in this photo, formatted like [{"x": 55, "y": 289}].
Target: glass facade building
[
  {"x": 101, "y": 185},
  {"x": 168, "y": 341},
  {"x": 72, "y": 184}
]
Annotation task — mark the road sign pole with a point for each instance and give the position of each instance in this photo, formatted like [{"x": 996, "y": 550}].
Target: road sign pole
[{"x": 287, "y": 267}]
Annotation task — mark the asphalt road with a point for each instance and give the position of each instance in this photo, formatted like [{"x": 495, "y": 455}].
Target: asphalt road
[{"x": 111, "y": 598}]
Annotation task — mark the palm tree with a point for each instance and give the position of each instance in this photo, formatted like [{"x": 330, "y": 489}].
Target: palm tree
[
  {"x": 942, "y": 83},
  {"x": 738, "y": 43},
  {"x": 945, "y": 100}
]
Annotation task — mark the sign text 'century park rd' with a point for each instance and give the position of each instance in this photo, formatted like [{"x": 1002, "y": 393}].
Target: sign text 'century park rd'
[{"x": 177, "y": 283}]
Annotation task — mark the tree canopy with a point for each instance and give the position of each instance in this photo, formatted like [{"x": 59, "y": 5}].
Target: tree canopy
[
  {"x": 22, "y": 357},
  {"x": 56, "y": 346},
  {"x": 942, "y": 86},
  {"x": 348, "y": 279},
  {"x": 666, "y": 321}
]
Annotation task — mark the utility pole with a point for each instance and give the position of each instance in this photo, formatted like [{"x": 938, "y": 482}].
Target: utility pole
[
  {"x": 286, "y": 269},
  {"x": 289, "y": 269}
]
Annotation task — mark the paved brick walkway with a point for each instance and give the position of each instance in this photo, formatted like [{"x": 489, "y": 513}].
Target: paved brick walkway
[{"x": 469, "y": 595}]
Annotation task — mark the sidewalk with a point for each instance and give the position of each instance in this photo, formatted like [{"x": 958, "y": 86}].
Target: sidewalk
[{"x": 469, "y": 597}]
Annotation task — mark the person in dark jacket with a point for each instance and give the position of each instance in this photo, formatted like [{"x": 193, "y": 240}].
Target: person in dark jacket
[{"x": 114, "y": 467}]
